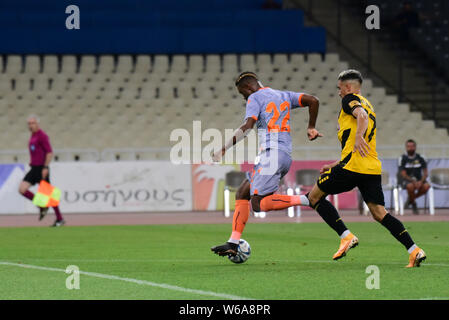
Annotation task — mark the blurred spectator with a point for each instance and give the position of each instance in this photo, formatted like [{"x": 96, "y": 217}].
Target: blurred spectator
[
  {"x": 271, "y": 5},
  {"x": 413, "y": 170},
  {"x": 406, "y": 19}
]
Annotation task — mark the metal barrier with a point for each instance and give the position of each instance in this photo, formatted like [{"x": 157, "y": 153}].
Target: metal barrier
[
  {"x": 59, "y": 155},
  {"x": 163, "y": 153}
]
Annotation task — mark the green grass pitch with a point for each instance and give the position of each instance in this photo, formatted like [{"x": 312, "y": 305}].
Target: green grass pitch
[{"x": 288, "y": 261}]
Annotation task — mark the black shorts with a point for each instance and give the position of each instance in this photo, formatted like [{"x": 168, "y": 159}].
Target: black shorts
[
  {"x": 340, "y": 180},
  {"x": 35, "y": 175}
]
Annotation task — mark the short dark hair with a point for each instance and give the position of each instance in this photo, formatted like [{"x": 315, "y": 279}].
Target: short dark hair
[
  {"x": 411, "y": 140},
  {"x": 350, "y": 74},
  {"x": 245, "y": 75}
]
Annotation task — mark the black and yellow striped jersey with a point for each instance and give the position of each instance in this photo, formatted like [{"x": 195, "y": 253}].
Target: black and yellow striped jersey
[{"x": 346, "y": 134}]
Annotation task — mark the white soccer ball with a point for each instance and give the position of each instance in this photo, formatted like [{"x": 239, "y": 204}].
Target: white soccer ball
[{"x": 243, "y": 252}]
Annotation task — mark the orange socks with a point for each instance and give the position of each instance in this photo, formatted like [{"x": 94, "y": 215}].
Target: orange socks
[
  {"x": 268, "y": 203},
  {"x": 279, "y": 202},
  {"x": 241, "y": 215}
]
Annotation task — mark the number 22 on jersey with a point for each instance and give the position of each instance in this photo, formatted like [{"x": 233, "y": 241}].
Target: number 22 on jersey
[{"x": 272, "y": 126}]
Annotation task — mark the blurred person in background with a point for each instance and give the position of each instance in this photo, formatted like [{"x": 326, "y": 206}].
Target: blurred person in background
[
  {"x": 413, "y": 172},
  {"x": 406, "y": 19},
  {"x": 41, "y": 155}
]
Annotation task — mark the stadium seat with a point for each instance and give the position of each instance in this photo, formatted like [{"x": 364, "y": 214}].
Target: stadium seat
[
  {"x": 41, "y": 83},
  {"x": 332, "y": 59},
  {"x": 178, "y": 64},
  {"x": 160, "y": 64},
  {"x": 88, "y": 64},
  {"x": 165, "y": 91},
  {"x": 314, "y": 59},
  {"x": 213, "y": 63},
  {"x": 32, "y": 65},
  {"x": 106, "y": 65},
  {"x": 264, "y": 65},
  {"x": 22, "y": 83},
  {"x": 247, "y": 63},
  {"x": 124, "y": 64},
  {"x": 230, "y": 64},
  {"x": 185, "y": 90},
  {"x": 143, "y": 64},
  {"x": 196, "y": 63},
  {"x": 297, "y": 58},
  {"x": 68, "y": 65},
  {"x": 13, "y": 65},
  {"x": 280, "y": 59}
]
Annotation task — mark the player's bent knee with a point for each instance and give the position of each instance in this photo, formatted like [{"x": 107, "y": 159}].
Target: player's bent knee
[
  {"x": 313, "y": 201},
  {"x": 255, "y": 203},
  {"x": 315, "y": 196},
  {"x": 377, "y": 211},
  {"x": 242, "y": 195},
  {"x": 243, "y": 192}
]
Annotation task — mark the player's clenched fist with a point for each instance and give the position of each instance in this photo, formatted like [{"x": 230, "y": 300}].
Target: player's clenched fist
[{"x": 313, "y": 133}]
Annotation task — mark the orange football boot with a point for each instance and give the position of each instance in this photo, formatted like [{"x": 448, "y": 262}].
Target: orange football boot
[
  {"x": 348, "y": 242},
  {"x": 416, "y": 257}
]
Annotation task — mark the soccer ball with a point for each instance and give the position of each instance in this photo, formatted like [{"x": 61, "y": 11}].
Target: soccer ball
[{"x": 243, "y": 252}]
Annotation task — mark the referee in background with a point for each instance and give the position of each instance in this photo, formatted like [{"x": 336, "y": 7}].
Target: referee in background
[{"x": 41, "y": 154}]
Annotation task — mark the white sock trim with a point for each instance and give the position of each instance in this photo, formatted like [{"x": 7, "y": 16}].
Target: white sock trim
[
  {"x": 410, "y": 250},
  {"x": 236, "y": 241},
  {"x": 304, "y": 200},
  {"x": 344, "y": 234}
]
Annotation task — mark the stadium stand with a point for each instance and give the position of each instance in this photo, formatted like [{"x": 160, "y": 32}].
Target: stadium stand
[{"x": 116, "y": 94}]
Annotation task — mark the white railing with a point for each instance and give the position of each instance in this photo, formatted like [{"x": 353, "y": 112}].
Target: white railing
[
  {"x": 63, "y": 155},
  {"x": 88, "y": 154},
  {"x": 385, "y": 152},
  {"x": 131, "y": 154},
  {"x": 163, "y": 153},
  {"x": 13, "y": 152}
]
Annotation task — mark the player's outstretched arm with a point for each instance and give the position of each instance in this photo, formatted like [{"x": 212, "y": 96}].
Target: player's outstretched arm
[
  {"x": 238, "y": 135},
  {"x": 314, "y": 104}
]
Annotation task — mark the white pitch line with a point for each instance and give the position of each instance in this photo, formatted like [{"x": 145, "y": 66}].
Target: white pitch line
[
  {"x": 142, "y": 282},
  {"x": 115, "y": 260}
]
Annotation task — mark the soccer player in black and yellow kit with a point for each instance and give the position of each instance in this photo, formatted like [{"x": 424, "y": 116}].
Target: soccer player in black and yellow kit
[{"x": 359, "y": 167}]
